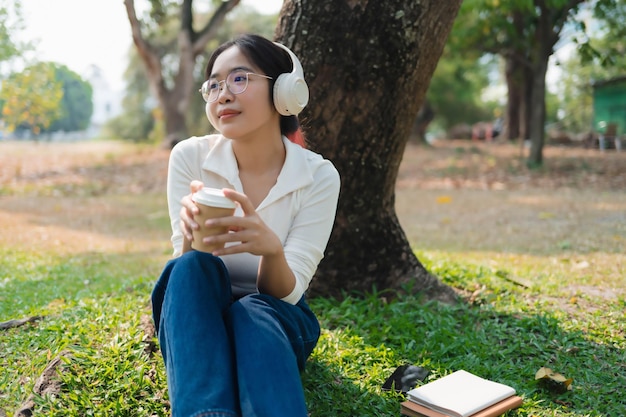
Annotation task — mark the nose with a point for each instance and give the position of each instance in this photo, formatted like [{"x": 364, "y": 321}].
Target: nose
[{"x": 223, "y": 88}]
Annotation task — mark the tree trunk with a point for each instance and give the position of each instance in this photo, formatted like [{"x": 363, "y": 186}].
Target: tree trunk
[
  {"x": 513, "y": 104},
  {"x": 514, "y": 61},
  {"x": 545, "y": 36},
  {"x": 368, "y": 64},
  {"x": 538, "y": 113},
  {"x": 550, "y": 22},
  {"x": 527, "y": 104},
  {"x": 174, "y": 105}
]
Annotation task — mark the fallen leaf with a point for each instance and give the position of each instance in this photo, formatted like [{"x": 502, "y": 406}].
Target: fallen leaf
[
  {"x": 553, "y": 381},
  {"x": 444, "y": 199}
]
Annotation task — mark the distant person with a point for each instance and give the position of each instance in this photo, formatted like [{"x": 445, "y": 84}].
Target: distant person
[{"x": 233, "y": 325}]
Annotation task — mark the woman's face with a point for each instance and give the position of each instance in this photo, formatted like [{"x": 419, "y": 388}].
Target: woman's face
[{"x": 246, "y": 114}]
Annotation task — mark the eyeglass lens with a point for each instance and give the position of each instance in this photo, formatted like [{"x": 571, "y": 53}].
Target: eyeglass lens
[{"x": 236, "y": 82}]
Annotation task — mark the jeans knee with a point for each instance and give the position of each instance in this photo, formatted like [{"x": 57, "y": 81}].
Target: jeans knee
[
  {"x": 275, "y": 322},
  {"x": 195, "y": 260},
  {"x": 198, "y": 268},
  {"x": 192, "y": 276}
]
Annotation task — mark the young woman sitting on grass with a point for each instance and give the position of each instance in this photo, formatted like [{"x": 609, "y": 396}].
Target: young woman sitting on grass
[{"x": 234, "y": 327}]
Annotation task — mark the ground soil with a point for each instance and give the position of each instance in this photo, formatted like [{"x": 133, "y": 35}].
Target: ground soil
[
  {"x": 451, "y": 196},
  {"x": 476, "y": 196}
]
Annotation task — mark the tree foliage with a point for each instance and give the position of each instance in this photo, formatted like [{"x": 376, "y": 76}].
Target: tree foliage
[
  {"x": 604, "y": 45},
  {"x": 10, "y": 24},
  {"x": 32, "y": 98},
  {"x": 77, "y": 102},
  {"x": 455, "y": 91},
  {"x": 137, "y": 120}
]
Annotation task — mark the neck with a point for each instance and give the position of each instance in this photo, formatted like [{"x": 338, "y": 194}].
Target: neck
[{"x": 260, "y": 156}]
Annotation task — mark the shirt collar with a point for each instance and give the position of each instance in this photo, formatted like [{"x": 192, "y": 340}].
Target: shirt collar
[{"x": 295, "y": 174}]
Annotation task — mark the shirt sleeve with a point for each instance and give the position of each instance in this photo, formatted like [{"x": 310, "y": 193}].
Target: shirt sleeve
[
  {"x": 179, "y": 175},
  {"x": 311, "y": 228}
]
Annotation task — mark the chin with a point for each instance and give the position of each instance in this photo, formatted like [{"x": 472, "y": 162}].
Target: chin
[{"x": 238, "y": 136}]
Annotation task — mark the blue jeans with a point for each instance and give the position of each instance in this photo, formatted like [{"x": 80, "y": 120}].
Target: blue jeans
[{"x": 225, "y": 357}]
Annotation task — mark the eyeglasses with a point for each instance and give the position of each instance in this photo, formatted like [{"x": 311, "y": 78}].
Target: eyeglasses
[{"x": 236, "y": 82}]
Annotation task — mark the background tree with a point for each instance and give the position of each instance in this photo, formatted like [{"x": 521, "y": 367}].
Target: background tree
[
  {"x": 138, "y": 119},
  {"x": 525, "y": 33},
  {"x": 77, "y": 102},
  {"x": 10, "y": 48},
  {"x": 32, "y": 98},
  {"x": 171, "y": 76},
  {"x": 456, "y": 89},
  {"x": 605, "y": 44},
  {"x": 142, "y": 117},
  {"x": 10, "y": 24},
  {"x": 368, "y": 64}
]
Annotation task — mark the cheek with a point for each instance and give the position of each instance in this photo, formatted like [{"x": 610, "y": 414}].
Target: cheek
[{"x": 209, "y": 115}]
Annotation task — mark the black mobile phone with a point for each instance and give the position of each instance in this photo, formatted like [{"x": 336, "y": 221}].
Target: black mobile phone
[{"x": 405, "y": 378}]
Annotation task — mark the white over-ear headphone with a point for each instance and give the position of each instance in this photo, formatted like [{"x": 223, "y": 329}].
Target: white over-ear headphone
[{"x": 291, "y": 93}]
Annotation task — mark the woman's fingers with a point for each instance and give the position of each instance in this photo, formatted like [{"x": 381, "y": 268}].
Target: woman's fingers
[
  {"x": 188, "y": 210},
  {"x": 242, "y": 199},
  {"x": 195, "y": 186}
]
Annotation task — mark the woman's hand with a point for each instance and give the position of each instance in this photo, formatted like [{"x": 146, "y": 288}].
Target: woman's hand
[
  {"x": 255, "y": 237},
  {"x": 188, "y": 211}
]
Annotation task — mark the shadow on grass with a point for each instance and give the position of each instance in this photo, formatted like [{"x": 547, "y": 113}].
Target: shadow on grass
[
  {"x": 367, "y": 338},
  {"x": 330, "y": 393}
]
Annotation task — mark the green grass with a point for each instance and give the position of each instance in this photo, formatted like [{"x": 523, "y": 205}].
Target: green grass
[{"x": 92, "y": 308}]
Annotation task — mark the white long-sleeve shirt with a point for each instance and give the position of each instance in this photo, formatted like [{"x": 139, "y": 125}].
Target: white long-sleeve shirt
[{"x": 300, "y": 208}]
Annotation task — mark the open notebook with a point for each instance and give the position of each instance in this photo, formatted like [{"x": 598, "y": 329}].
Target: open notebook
[{"x": 460, "y": 394}]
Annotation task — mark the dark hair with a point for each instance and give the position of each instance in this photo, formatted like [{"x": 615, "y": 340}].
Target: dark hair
[{"x": 271, "y": 59}]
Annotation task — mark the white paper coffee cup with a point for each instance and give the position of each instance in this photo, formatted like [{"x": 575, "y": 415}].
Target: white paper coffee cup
[{"x": 211, "y": 203}]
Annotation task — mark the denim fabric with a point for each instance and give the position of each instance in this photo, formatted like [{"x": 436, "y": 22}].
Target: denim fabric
[{"x": 226, "y": 357}]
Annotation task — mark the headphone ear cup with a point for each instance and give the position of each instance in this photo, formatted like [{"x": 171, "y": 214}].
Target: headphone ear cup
[{"x": 291, "y": 94}]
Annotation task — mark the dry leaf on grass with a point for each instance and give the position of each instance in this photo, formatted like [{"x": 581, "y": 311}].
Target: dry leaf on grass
[{"x": 553, "y": 381}]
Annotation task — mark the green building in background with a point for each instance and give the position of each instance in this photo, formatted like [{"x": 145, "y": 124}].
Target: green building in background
[{"x": 609, "y": 106}]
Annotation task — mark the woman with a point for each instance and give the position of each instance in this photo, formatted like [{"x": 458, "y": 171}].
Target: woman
[{"x": 233, "y": 325}]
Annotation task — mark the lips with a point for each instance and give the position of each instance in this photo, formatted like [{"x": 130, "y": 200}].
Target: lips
[{"x": 227, "y": 113}]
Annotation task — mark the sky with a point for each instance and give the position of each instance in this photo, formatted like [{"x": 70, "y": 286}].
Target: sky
[{"x": 81, "y": 33}]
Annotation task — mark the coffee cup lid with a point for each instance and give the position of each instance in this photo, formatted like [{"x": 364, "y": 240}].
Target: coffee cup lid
[{"x": 213, "y": 197}]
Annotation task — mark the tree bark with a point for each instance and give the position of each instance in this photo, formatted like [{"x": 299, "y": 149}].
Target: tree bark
[
  {"x": 368, "y": 64},
  {"x": 538, "y": 114},
  {"x": 526, "y": 106},
  {"x": 513, "y": 104},
  {"x": 519, "y": 103},
  {"x": 518, "y": 74},
  {"x": 174, "y": 100}
]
